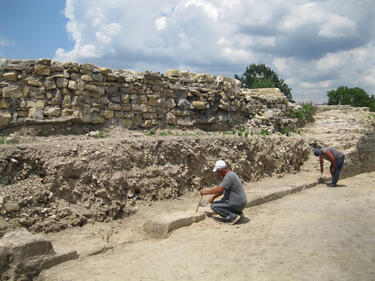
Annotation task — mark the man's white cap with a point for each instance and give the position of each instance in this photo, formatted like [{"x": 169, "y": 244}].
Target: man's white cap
[{"x": 219, "y": 165}]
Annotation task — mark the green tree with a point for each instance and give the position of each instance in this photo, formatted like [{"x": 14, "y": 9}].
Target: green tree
[
  {"x": 356, "y": 97},
  {"x": 261, "y": 76}
]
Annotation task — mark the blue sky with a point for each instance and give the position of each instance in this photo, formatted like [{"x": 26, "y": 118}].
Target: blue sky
[
  {"x": 314, "y": 46},
  {"x": 32, "y": 29}
]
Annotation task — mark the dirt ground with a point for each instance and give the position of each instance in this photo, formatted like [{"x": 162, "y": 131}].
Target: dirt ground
[{"x": 318, "y": 234}]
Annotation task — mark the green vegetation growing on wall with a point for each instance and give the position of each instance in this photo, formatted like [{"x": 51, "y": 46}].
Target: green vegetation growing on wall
[{"x": 304, "y": 114}]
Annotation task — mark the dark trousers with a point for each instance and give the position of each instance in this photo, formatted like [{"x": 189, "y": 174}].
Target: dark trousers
[
  {"x": 223, "y": 209},
  {"x": 336, "y": 173}
]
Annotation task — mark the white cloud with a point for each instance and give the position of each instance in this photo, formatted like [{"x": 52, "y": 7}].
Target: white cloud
[
  {"x": 207, "y": 7},
  {"x": 370, "y": 77},
  {"x": 337, "y": 26},
  {"x": 311, "y": 45},
  {"x": 330, "y": 62},
  {"x": 280, "y": 64},
  {"x": 161, "y": 23},
  {"x": 5, "y": 42}
]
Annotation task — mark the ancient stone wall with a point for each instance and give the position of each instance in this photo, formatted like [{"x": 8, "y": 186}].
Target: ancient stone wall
[{"x": 34, "y": 92}]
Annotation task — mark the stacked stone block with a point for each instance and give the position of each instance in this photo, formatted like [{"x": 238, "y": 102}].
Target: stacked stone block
[{"x": 45, "y": 92}]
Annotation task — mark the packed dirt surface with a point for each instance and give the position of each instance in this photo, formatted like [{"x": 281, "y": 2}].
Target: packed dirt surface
[{"x": 319, "y": 234}]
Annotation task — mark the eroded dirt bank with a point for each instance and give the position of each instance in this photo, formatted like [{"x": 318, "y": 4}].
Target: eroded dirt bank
[{"x": 61, "y": 181}]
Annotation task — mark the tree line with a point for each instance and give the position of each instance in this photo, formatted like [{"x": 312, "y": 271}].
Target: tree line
[{"x": 261, "y": 76}]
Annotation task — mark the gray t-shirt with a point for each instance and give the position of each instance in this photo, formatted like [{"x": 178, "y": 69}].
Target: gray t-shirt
[
  {"x": 335, "y": 153},
  {"x": 233, "y": 190}
]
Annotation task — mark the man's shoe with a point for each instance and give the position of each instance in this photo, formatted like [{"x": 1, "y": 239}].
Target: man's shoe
[
  {"x": 330, "y": 185},
  {"x": 236, "y": 219}
]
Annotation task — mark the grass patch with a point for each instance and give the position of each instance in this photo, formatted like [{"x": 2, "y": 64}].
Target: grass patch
[
  {"x": 99, "y": 134},
  {"x": 9, "y": 140},
  {"x": 285, "y": 131},
  {"x": 150, "y": 132},
  {"x": 265, "y": 133}
]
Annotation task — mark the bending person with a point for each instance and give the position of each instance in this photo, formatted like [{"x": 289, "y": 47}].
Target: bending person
[{"x": 334, "y": 156}]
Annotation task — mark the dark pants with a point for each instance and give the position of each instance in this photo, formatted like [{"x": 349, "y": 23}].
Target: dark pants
[
  {"x": 336, "y": 173},
  {"x": 223, "y": 209}
]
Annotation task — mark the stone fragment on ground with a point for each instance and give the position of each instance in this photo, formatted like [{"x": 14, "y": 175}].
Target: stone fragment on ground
[
  {"x": 24, "y": 255},
  {"x": 160, "y": 226}
]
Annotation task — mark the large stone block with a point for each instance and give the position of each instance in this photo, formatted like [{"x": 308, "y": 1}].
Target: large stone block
[
  {"x": 54, "y": 111},
  {"x": 10, "y": 76},
  {"x": 36, "y": 114},
  {"x": 36, "y": 104},
  {"x": 50, "y": 85},
  {"x": 200, "y": 105},
  {"x": 62, "y": 82},
  {"x": 161, "y": 225},
  {"x": 107, "y": 114},
  {"x": 5, "y": 117},
  {"x": 86, "y": 78},
  {"x": 12, "y": 92},
  {"x": 114, "y": 106},
  {"x": 95, "y": 89},
  {"x": 34, "y": 82},
  {"x": 24, "y": 255},
  {"x": 72, "y": 85},
  {"x": 171, "y": 119},
  {"x": 4, "y": 104},
  {"x": 44, "y": 61},
  {"x": 42, "y": 69},
  {"x": 171, "y": 103},
  {"x": 96, "y": 119},
  {"x": 137, "y": 120}
]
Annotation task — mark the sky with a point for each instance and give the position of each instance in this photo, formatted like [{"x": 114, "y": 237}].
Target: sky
[{"x": 314, "y": 46}]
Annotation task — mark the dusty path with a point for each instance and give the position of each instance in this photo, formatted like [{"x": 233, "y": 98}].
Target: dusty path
[{"x": 318, "y": 234}]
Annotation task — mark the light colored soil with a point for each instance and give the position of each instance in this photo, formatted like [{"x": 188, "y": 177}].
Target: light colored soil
[{"x": 318, "y": 234}]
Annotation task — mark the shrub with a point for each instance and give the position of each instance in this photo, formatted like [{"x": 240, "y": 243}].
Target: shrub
[{"x": 304, "y": 114}]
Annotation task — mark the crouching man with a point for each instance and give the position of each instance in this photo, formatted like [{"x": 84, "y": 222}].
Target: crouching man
[{"x": 230, "y": 206}]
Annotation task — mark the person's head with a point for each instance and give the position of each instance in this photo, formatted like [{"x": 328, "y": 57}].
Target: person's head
[
  {"x": 220, "y": 168},
  {"x": 316, "y": 151}
]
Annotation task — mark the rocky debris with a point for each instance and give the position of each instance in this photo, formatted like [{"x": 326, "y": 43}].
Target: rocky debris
[
  {"x": 24, "y": 255},
  {"x": 52, "y": 186},
  {"x": 68, "y": 178}
]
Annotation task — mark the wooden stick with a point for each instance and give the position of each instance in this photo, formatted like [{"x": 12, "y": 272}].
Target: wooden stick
[{"x": 199, "y": 203}]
